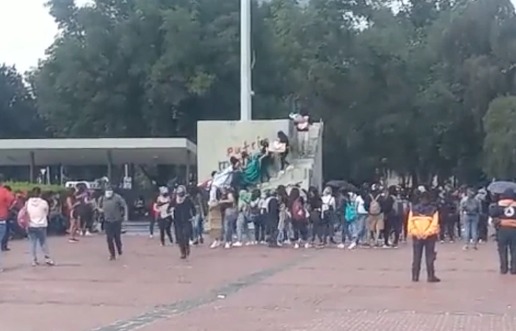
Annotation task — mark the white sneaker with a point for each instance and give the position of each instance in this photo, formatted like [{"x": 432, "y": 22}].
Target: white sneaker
[
  {"x": 341, "y": 246},
  {"x": 263, "y": 242},
  {"x": 249, "y": 243},
  {"x": 151, "y": 236},
  {"x": 307, "y": 245},
  {"x": 352, "y": 245},
  {"x": 88, "y": 233},
  {"x": 237, "y": 244},
  {"x": 215, "y": 244},
  {"x": 296, "y": 245},
  {"x": 227, "y": 245}
]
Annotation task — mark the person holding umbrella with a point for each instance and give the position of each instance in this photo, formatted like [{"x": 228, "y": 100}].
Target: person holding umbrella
[{"x": 504, "y": 219}]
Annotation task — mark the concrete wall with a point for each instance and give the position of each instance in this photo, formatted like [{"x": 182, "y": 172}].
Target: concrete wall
[{"x": 217, "y": 141}]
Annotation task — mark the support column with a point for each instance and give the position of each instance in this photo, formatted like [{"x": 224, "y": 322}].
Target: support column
[
  {"x": 188, "y": 155},
  {"x": 61, "y": 175},
  {"x": 109, "y": 155},
  {"x": 32, "y": 167}
]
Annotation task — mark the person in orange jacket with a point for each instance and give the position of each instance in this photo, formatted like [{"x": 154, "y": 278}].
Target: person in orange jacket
[
  {"x": 423, "y": 227},
  {"x": 503, "y": 214}
]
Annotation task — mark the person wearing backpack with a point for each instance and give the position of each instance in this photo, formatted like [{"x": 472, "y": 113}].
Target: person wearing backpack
[
  {"x": 470, "y": 208},
  {"x": 349, "y": 212},
  {"x": 375, "y": 220},
  {"x": 297, "y": 211}
]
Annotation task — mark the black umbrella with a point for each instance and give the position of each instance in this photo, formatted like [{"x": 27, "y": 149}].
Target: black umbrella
[
  {"x": 501, "y": 186},
  {"x": 341, "y": 185}
]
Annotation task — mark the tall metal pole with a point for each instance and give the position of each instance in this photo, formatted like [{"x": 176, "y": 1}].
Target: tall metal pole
[{"x": 245, "y": 61}]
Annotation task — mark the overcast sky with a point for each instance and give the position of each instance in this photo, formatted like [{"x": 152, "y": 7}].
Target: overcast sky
[{"x": 26, "y": 30}]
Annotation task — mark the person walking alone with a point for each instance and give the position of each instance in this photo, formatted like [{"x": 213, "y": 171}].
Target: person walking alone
[
  {"x": 184, "y": 212},
  {"x": 37, "y": 210},
  {"x": 163, "y": 207},
  {"x": 115, "y": 210}
]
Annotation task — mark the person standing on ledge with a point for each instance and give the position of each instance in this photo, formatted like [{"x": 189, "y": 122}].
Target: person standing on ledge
[
  {"x": 423, "y": 227},
  {"x": 114, "y": 209}
]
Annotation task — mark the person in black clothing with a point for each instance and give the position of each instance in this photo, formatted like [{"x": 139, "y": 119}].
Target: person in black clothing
[
  {"x": 449, "y": 217},
  {"x": 389, "y": 214},
  {"x": 504, "y": 219},
  {"x": 282, "y": 138},
  {"x": 315, "y": 208},
  {"x": 265, "y": 161},
  {"x": 272, "y": 219},
  {"x": 485, "y": 201},
  {"x": 184, "y": 211}
]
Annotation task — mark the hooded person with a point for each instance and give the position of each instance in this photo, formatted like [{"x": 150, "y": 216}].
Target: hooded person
[
  {"x": 115, "y": 211},
  {"x": 423, "y": 227},
  {"x": 183, "y": 214},
  {"x": 504, "y": 220}
]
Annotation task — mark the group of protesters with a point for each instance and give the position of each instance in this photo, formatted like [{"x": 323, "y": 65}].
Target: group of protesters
[{"x": 371, "y": 216}]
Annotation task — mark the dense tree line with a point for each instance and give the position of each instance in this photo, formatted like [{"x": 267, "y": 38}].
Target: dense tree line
[{"x": 422, "y": 87}]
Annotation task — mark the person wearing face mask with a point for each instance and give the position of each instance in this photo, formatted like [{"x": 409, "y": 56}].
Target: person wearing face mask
[
  {"x": 114, "y": 208},
  {"x": 162, "y": 209},
  {"x": 184, "y": 211}
]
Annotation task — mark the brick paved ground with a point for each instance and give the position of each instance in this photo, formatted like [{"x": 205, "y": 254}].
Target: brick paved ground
[{"x": 252, "y": 289}]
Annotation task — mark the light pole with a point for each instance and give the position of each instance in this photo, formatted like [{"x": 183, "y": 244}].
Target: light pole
[{"x": 245, "y": 61}]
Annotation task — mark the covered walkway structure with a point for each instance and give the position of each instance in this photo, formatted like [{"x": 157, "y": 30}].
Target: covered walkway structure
[{"x": 97, "y": 151}]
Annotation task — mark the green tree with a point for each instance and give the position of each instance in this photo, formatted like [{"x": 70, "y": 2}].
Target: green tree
[
  {"x": 18, "y": 115},
  {"x": 500, "y": 140},
  {"x": 404, "y": 91}
]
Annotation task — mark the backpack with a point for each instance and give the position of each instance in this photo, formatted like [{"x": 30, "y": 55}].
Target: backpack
[
  {"x": 399, "y": 207},
  {"x": 327, "y": 206},
  {"x": 298, "y": 211},
  {"x": 374, "y": 206},
  {"x": 350, "y": 211},
  {"x": 471, "y": 206}
]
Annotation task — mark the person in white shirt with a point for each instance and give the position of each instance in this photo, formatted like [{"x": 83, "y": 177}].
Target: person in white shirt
[
  {"x": 360, "y": 230},
  {"x": 37, "y": 210},
  {"x": 328, "y": 214}
]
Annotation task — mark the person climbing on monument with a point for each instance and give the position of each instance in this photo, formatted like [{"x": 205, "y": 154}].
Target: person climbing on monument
[{"x": 224, "y": 178}]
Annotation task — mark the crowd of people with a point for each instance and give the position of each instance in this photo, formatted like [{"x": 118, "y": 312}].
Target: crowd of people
[
  {"x": 347, "y": 218},
  {"x": 343, "y": 217}
]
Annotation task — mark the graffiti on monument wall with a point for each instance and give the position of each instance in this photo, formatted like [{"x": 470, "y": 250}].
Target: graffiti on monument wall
[{"x": 248, "y": 146}]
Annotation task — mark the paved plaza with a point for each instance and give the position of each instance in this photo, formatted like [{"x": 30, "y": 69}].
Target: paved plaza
[{"x": 251, "y": 289}]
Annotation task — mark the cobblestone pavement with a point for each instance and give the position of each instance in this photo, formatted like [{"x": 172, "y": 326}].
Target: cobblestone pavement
[{"x": 252, "y": 289}]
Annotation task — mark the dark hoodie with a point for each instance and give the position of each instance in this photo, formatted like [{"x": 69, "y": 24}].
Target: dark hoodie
[{"x": 500, "y": 214}]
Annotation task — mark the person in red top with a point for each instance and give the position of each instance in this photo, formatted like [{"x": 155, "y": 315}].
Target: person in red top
[{"x": 6, "y": 201}]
